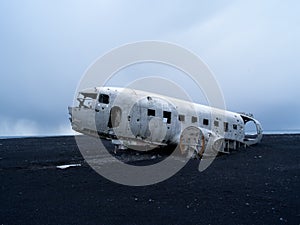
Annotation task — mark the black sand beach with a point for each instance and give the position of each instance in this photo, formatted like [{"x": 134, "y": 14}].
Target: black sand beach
[{"x": 256, "y": 185}]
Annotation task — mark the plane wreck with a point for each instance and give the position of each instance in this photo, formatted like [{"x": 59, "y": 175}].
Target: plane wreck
[{"x": 141, "y": 120}]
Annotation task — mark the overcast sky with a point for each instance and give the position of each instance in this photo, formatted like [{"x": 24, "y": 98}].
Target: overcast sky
[{"x": 252, "y": 47}]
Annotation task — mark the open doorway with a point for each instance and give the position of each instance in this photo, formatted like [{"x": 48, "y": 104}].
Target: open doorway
[{"x": 115, "y": 117}]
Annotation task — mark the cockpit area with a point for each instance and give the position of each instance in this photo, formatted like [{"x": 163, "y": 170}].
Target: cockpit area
[{"x": 88, "y": 98}]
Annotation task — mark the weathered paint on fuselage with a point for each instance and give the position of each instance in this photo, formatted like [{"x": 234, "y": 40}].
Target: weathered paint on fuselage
[{"x": 141, "y": 118}]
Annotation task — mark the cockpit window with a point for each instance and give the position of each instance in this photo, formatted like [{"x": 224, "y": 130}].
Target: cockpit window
[
  {"x": 103, "y": 98},
  {"x": 86, "y": 100}
]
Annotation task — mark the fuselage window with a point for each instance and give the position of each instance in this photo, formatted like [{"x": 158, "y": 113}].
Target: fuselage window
[
  {"x": 194, "y": 119},
  {"x": 205, "y": 122},
  {"x": 234, "y": 126},
  {"x": 151, "y": 112},
  {"x": 216, "y": 123},
  {"x": 167, "y": 115},
  {"x": 181, "y": 118},
  {"x": 103, "y": 98},
  {"x": 225, "y": 126}
]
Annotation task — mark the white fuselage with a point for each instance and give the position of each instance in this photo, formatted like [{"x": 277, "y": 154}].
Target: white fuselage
[{"x": 132, "y": 117}]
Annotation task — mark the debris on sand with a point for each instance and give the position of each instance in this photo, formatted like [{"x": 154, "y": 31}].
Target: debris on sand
[{"x": 67, "y": 166}]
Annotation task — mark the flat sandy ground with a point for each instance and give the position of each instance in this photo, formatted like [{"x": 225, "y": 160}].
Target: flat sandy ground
[{"x": 257, "y": 185}]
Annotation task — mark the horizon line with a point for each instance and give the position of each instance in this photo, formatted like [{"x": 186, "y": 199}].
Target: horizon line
[{"x": 267, "y": 132}]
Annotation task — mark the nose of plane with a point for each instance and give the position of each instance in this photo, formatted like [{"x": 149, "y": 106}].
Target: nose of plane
[{"x": 70, "y": 113}]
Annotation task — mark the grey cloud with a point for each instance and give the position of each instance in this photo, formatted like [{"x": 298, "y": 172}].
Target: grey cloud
[{"x": 251, "y": 47}]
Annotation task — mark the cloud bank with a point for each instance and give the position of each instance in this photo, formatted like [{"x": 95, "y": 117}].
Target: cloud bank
[{"x": 251, "y": 46}]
